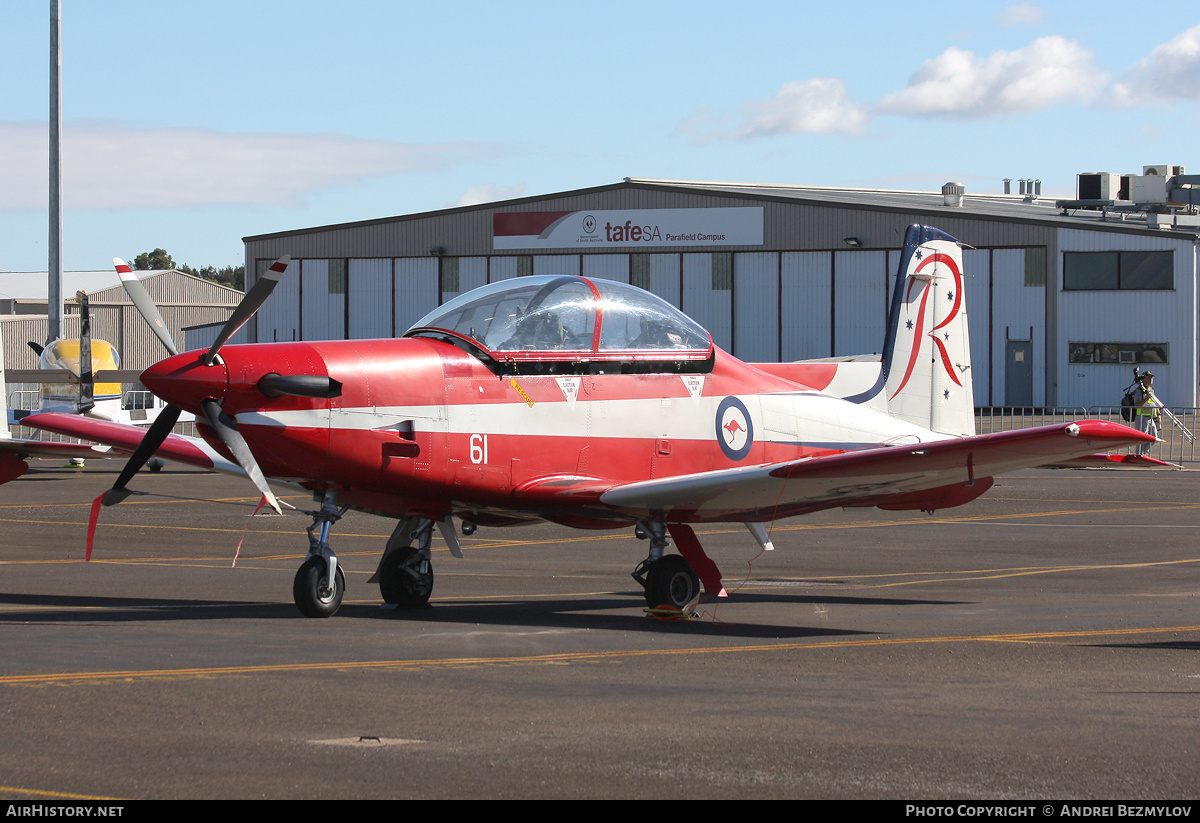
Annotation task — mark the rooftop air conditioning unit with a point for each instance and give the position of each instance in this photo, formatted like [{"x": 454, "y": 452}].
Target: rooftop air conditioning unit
[
  {"x": 1148, "y": 188},
  {"x": 1164, "y": 171},
  {"x": 1100, "y": 185}
]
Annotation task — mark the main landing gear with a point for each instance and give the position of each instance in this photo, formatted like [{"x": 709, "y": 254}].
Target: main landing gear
[
  {"x": 405, "y": 573},
  {"x": 668, "y": 579},
  {"x": 320, "y": 583}
]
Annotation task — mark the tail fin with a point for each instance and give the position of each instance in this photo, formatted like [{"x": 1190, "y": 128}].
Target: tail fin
[{"x": 927, "y": 354}]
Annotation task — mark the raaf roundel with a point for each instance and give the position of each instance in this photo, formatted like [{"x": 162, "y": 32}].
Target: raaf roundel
[{"x": 593, "y": 404}]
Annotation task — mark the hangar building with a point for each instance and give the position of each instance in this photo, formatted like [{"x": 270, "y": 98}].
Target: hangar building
[{"x": 1064, "y": 298}]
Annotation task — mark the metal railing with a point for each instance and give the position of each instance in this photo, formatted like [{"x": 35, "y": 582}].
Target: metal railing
[
  {"x": 1174, "y": 446},
  {"x": 24, "y": 400}
]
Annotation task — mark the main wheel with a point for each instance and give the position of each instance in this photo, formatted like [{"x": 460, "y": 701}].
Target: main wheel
[
  {"x": 312, "y": 592},
  {"x": 670, "y": 581},
  {"x": 401, "y": 580}
]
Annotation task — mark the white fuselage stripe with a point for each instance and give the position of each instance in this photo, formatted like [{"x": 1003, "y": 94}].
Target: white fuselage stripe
[{"x": 807, "y": 417}]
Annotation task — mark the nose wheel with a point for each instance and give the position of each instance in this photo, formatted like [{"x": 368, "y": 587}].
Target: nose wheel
[
  {"x": 312, "y": 590},
  {"x": 320, "y": 582}
]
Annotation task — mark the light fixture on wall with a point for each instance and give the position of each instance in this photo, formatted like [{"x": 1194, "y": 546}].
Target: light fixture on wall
[
  {"x": 853, "y": 242},
  {"x": 437, "y": 251}
]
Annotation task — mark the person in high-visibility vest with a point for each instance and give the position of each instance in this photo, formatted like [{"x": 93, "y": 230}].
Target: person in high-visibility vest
[{"x": 1148, "y": 412}]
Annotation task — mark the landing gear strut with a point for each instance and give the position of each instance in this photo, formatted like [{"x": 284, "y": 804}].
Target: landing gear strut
[
  {"x": 668, "y": 580},
  {"x": 320, "y": 583}
]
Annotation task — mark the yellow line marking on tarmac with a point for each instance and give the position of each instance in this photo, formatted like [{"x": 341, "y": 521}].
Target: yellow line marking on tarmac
[
  {"x": 64, "y": 795},
  {"x": 981, "y": 574},
  {"x": 570, "y": 657}
]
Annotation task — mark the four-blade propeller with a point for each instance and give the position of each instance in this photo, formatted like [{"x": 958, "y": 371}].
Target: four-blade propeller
[{"x": 224, "y": 426}]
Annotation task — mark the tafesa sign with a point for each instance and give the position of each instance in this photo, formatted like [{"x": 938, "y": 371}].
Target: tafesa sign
[{"x": 627, "y": 227}]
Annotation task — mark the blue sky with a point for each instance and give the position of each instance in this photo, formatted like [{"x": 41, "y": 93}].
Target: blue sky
[{"x": 190, "y": 125}]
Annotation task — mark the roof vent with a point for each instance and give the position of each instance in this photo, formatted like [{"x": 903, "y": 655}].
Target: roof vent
[{"x": 952, "y": 194}]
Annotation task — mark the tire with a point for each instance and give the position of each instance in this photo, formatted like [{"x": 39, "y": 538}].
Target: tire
[
  {"x": 314, "y": 598},
  {"x": 400, "y": 582},
  {"x": 670, "y": 581}
]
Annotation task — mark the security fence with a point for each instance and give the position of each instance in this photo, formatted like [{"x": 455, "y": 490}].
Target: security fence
[{"x": 1177, "y": 437}]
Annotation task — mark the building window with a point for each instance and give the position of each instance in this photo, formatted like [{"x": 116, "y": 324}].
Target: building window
[
  {"x": 639, "y": 271},
  {"x": 1120, "y": 353},
  {"x": 1035, "y": 266},
  {"x": 449, "y": 274},
  {"x": 1113, "y": 270},
  {"x": 337, "y": 276},
  {"x": 722, "y": 271}
]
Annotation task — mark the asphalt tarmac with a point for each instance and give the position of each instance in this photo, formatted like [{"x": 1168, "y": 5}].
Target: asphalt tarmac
[{"x": 1041, "y": 642}]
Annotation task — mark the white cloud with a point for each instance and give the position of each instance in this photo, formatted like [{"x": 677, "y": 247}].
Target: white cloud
[
  {"x": 1021, "y": 15},
  {"x": 1171, "y": 72},
  {"x": 957, "y": 83},
  {"x": 109, "y": 167},
  {"x": 488, "y": 193},
  {"x": 817, "y": 106}
]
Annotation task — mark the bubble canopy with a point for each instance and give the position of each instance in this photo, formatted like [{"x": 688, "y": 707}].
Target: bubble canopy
[{"x": 565, "y": 318}]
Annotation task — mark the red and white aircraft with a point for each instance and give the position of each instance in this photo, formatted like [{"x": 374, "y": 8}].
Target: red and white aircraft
[{"x": 592, "y": 404}]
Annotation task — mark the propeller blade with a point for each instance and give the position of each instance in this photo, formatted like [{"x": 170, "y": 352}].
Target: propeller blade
[
  {"x": 37, "y": 349},
  {"x": 299, "y": 385},
  {"x": 87, "y": 383},
  {"x": 249, "y": 305},
  {"x": 137, "y": 293},
  {"x": 226, "y": 429},
  {"x": 153, "y": 438}
]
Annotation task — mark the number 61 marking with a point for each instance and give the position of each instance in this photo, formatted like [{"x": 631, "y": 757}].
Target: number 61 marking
[{"x": 479, "y": 448}]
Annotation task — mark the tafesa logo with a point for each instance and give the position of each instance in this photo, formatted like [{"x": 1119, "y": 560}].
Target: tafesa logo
[{"x": 630, "y": 233}]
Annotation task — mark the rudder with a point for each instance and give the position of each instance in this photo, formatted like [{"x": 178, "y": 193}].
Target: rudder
[{"x": 927, "y": 355}]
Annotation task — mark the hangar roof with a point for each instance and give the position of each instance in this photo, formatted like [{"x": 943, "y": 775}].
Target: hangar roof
[
  {"x": 34, "y": 285},
  {"x": 1001, "y": 207}
]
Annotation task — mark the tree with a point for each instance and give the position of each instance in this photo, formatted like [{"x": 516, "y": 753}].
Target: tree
[
  {"x": 153, "y": 260},
  {"x": 232, "y": 276}
]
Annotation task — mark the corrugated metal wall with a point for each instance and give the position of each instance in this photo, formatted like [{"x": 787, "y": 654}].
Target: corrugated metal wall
[
  {"x": 860, "y": 302},
  {"x": 416, "y": 287},
  {"x": 182, "y": 302},
  {"x": 1128, "y": 317},
  {"x": 322, "y": 300},
  {"x": 976, "y": 281},
  {"x": 607, "y": 266},
  {"x": 756, "y": 306},
  {"x": 806, "y": 295},
  {"x": 708, "y": 295},
  {"x": 369, "y": 295}
]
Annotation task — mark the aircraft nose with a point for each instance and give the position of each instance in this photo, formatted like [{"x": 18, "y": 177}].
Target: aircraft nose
[{"x": 183, "y": 380}]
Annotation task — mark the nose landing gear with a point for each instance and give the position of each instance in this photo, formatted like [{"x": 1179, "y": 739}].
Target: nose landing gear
[{"x": 320, "y": 583}]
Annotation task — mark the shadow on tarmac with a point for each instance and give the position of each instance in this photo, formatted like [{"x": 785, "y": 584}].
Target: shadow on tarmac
[{"x": 617, "y": 613}]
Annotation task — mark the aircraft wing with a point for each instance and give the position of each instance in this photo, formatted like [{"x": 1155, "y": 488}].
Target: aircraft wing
[
  {"x": 126, "y": 438},
  {"x": 926, "y": 476},
  {"x": 13, "y": 452},
  {"x": 43, "y": 448}
]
